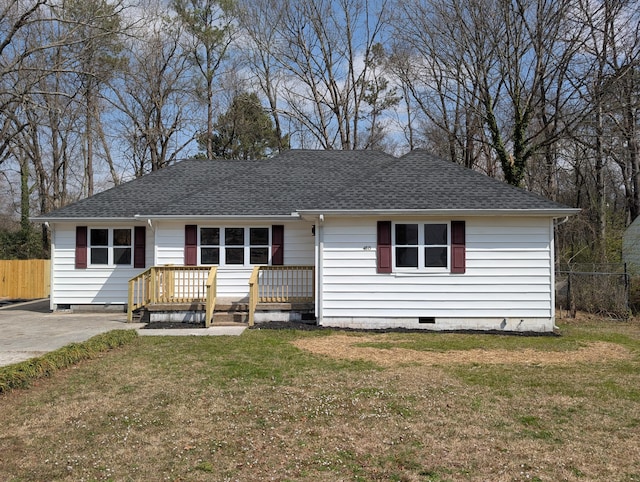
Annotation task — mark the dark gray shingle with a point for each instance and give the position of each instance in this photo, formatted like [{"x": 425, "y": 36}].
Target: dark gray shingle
[{"x": 305, "y": 180}]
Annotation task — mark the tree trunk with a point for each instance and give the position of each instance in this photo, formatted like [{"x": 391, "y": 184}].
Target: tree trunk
[
  {"x": 599, "y": 173},
  {"x": 89, "y": 138}
]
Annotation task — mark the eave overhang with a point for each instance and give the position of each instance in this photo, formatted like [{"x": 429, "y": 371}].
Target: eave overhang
[
  {"x": 167, "y": 217},
  {"x": 549, "y": 213}
]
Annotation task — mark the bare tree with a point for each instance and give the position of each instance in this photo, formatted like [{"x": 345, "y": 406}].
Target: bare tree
[
  {"x": 153, "y": 96},
  {"x": 485, "y": 69},
  {"x": 320, "y": 62},
  {"x": 93, "y": 38},
  {"x": 259, "y": 22},
  {"x": 609, "y": 70},
  {"x": 435, "y": 73},
  {"x": 208, "y": 32},
  {"x": 16, "y": 18}
]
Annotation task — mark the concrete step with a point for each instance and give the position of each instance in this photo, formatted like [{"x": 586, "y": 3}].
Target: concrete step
[
  {"x": 236, "y": 317},
  {"x": 177, "y": 316}
]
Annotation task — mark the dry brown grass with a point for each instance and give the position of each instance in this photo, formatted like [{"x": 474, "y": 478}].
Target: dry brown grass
[
  {"x": 258, "y": 408},
  {"x": 348, "y": 348}
]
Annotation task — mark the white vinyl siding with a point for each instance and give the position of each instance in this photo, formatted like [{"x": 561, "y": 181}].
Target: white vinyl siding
[
  {"x": 508, "y": 274},
  {"x": 233, "y": 281},
  {"x": 99, "y": 285},
  {"x": 164, "y": 246}
]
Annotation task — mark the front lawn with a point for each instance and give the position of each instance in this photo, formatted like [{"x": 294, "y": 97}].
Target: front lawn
[{"x": 307, "y": 406}]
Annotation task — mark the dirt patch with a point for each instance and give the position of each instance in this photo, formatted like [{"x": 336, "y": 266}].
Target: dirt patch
[{"x": 346, "y": 347}]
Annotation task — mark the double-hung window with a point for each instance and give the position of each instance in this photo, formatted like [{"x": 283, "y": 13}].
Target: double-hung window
[
  {"x": 234, "y": 246},
  {"x": 110, "y": 246},
  {"x": 210, "y": 245},
  {"x": 421, "y": 246}
]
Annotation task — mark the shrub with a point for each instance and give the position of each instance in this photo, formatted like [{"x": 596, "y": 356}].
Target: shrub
[{"x": 20, "y": 375}]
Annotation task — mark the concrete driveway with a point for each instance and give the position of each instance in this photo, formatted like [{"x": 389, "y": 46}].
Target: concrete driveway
[{"x": 28, "y": 329}]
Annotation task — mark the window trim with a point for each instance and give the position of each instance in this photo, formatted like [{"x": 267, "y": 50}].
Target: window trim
[
  {"x": 110, "y": 247},
  {"x": 421, "y": 247},
  {"x": 246, "y": 246}
]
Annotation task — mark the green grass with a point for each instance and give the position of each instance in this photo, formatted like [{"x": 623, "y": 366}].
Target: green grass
[{"x": 256, "y": 407}]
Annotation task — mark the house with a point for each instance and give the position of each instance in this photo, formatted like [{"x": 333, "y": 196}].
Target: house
[{"x": 358, "y": 238}]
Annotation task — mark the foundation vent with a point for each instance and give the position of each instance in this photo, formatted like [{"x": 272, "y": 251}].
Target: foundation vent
[{"x": 427, "y": 319}]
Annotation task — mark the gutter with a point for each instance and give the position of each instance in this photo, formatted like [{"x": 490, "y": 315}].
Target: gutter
[
  {"x": 204, "y": 217},
  {"x": 165, "y": 217},
  {"x": 315, "y": 213},
  {"x": 554, "y": 213},
  {"x": 75, "y": 219}
]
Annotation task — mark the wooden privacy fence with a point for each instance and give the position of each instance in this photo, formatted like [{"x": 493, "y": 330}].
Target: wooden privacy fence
[{"x": 25, "y": 279}]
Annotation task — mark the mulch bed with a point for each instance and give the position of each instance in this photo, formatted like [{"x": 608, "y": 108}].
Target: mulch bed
[
  {"x": 312, "y": 326},
  {"x": 166, "y": 325}
]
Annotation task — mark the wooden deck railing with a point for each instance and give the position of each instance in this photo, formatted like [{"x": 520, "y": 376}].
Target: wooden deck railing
[
  {"x": 171, "y": 284},
  {"x": 280, "y": 284},
  {"x": 187, "y": 284},
  {"x": 139, "y": 292}
]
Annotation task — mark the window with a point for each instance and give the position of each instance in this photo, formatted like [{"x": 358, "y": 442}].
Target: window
[
  {"x": 234, "y": 246},
  {"x": 407, "y": 245},
  {"x": 421, "y": 246},
  {"x": 258, "y": 245},
  {"x": 108, "y": 247},
  {"x": 436, "y": 246},
  {"x": 234, "y": 240},
  {"x": 210, "y": 245}
]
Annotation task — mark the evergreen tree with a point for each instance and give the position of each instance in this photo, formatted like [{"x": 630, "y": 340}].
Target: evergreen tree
[{"x": 245, "y": 131}]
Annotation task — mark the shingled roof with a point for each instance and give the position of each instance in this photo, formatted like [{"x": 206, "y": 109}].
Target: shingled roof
[{"x": 304, "y": 181}]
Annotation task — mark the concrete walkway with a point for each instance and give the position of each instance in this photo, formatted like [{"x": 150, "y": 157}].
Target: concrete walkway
[{"x": 28, "y": 329}]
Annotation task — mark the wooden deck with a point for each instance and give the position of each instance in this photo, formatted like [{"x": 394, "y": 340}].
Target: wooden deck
[{"x": 191, "y": 291}]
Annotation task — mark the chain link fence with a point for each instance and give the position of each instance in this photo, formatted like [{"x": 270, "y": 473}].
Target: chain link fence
[{"x": 597, "y": 288}]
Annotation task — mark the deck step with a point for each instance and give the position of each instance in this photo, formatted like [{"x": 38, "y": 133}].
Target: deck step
[{"x": 234, "y": 318}]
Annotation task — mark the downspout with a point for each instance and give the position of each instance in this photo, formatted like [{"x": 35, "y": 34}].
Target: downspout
[
  {"x": 319, "y": 267},
  {"x": 553, "y": 225},
  {"x": 52, "y": 250},
  {"x": 553, "y": 270},
  {"x": 155, "y": 242}
]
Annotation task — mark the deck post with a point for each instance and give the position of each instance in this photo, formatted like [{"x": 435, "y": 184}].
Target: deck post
[
  {"x": 253, "y": 294},
  {"x": 211, "y": 290},
  {"x": 130, "y": 302},
  {"x": 153, "y": 297}
]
